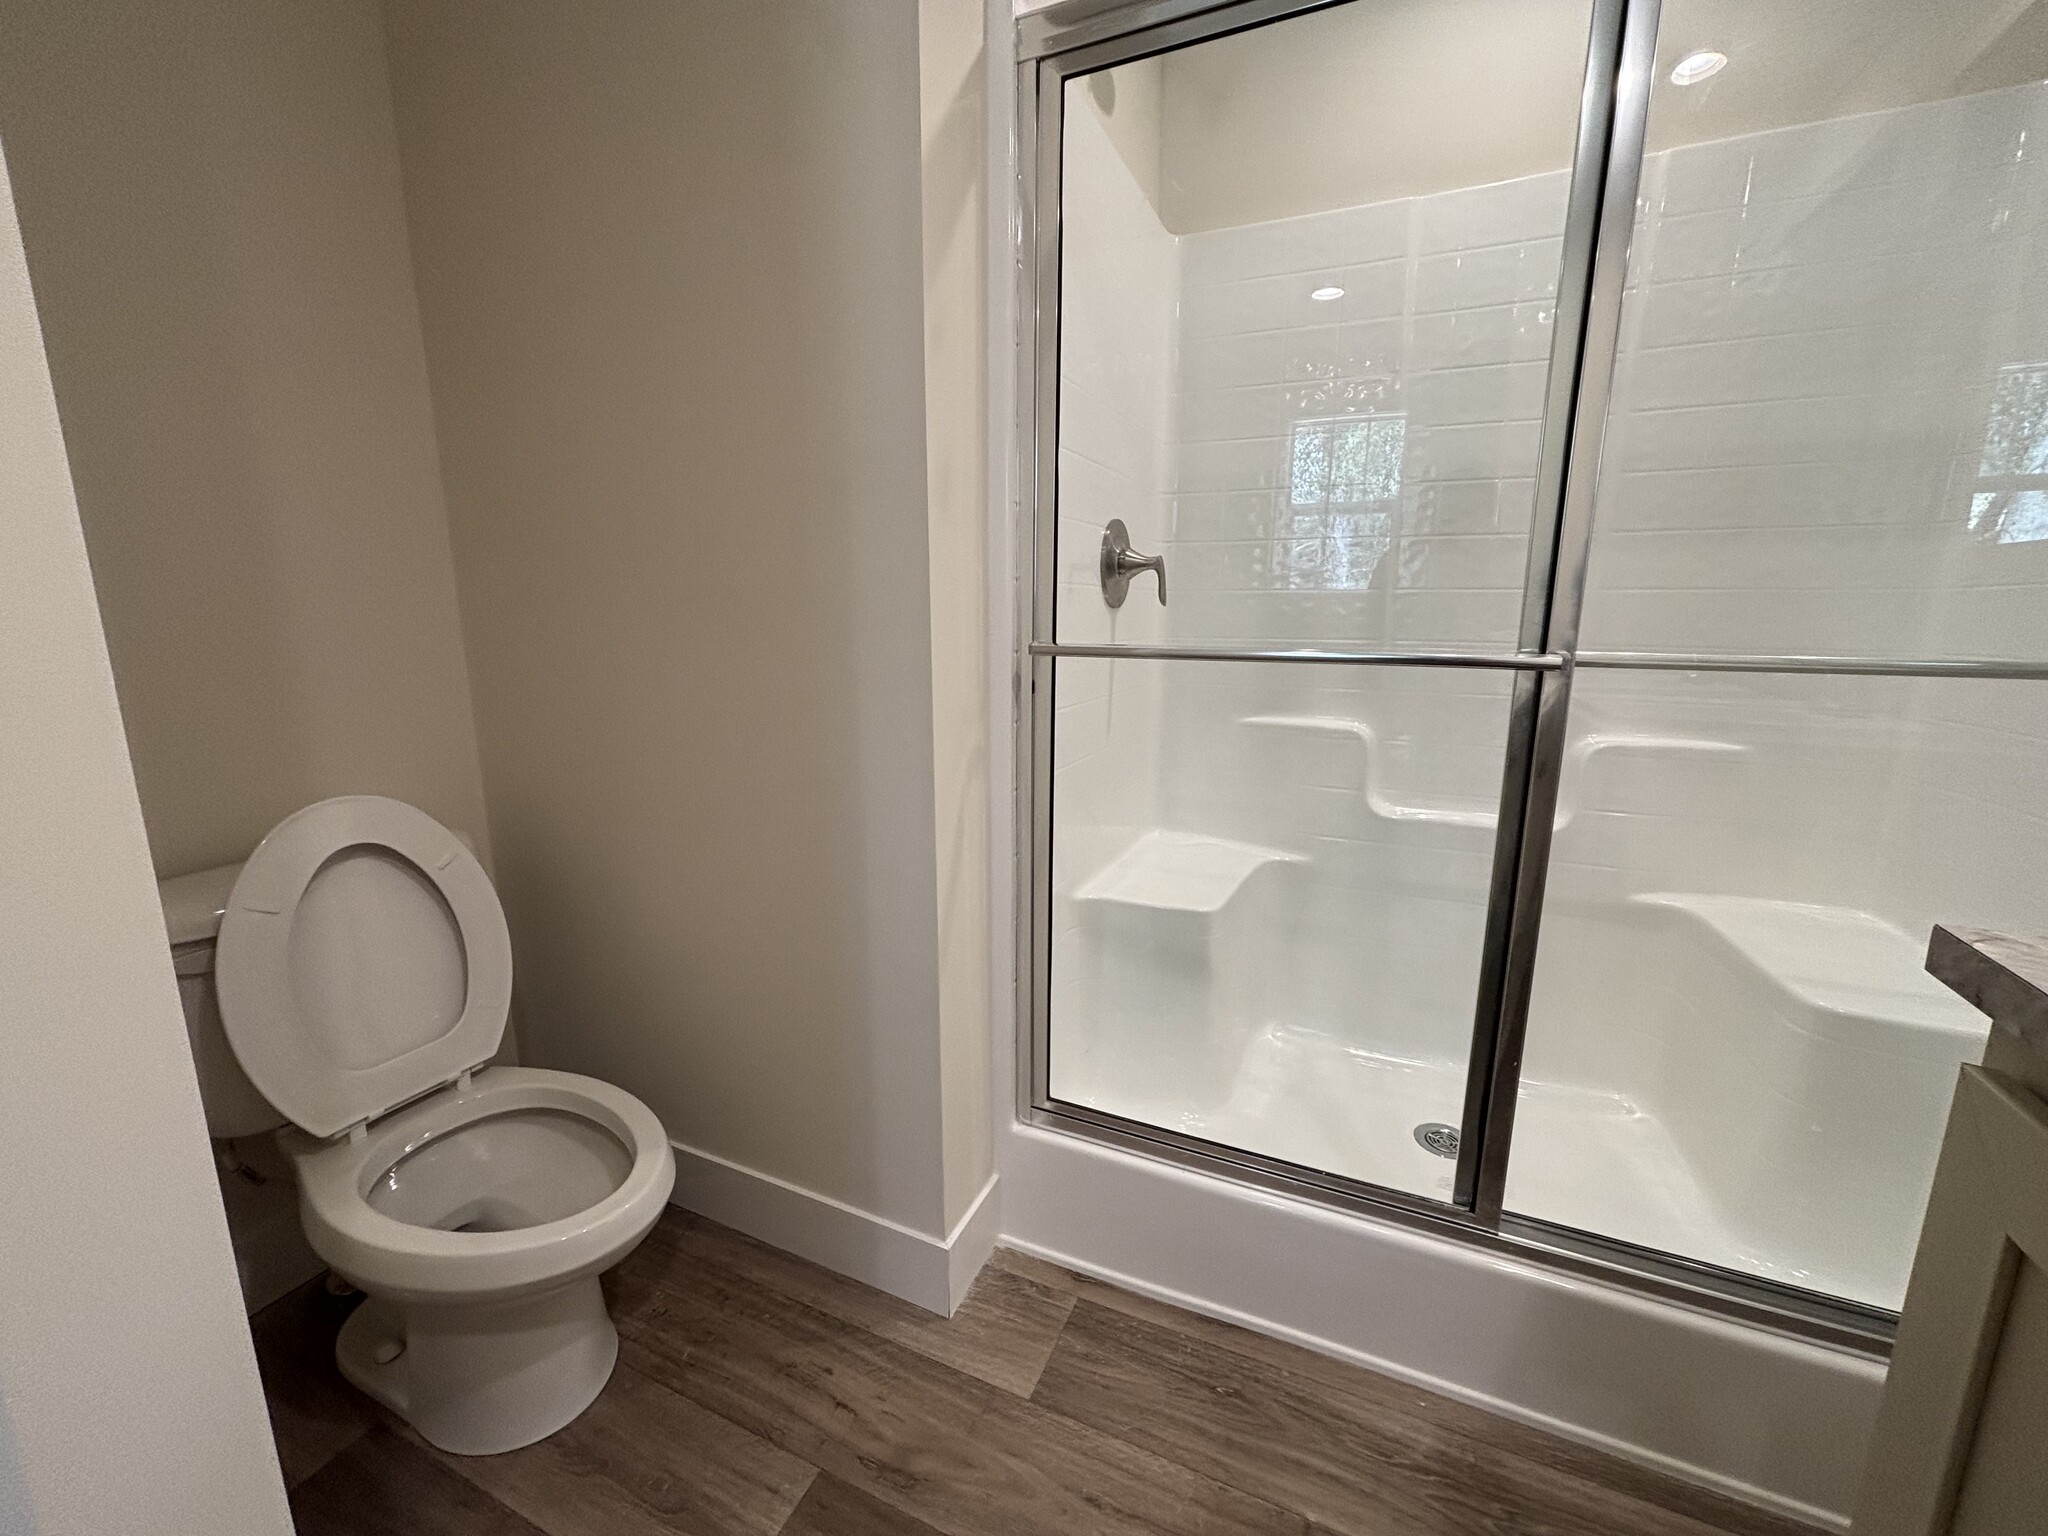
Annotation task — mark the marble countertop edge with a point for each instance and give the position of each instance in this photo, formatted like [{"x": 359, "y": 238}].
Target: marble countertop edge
[{"x": 2001, "y": 974}]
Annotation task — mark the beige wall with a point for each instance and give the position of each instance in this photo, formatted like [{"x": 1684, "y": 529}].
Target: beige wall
[
  {"x": 211, "y": 200},
  {"x": 689, "y": 303},
  {"x": 953, "y": 110},
  {"x": 1361, "y": 103},
  {"x": 669, "y": 262},
  {"x": 1126, "y": 102},
  {"x": 128, "y": 1391}
]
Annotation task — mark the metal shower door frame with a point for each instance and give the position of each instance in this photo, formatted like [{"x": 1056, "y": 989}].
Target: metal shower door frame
[{"x": 1606, "y": 170}]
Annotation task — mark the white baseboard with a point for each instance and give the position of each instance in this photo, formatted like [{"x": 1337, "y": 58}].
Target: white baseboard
[
  {"x": 933, "y": 1272},
  {"x": 972, "y": 1240},
  {"x": 1767, "y": 1419}
]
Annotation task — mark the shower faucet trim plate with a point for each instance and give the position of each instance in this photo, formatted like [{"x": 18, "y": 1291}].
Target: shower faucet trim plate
[{"x": 1120, "y": 563}]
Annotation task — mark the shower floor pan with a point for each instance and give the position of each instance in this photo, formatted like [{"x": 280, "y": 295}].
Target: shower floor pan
[{"x": 1584, "y": 1157}]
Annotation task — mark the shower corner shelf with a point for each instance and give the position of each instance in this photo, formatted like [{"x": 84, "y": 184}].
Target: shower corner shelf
[
  {"x": 1377, "y": 800},
  {"x": 1579, "y": 757}
]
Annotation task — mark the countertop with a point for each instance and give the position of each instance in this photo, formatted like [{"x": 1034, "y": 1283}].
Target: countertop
[{"x": 2003, "y": 975}]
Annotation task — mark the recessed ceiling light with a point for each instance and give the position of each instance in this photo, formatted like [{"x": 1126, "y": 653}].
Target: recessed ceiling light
[
  {"x": 1695, "y": 67},
  {"x": 1324, "y": 295}
]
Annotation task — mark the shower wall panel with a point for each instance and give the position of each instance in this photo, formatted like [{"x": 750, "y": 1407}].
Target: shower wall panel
[
  {"x": 1829, "y": 428},
  {"x": 1831, "y": 351},
  {"x": 1829, "y": 435},
  {"x": 1116, "y": 411},
  {"x": 1357, "y": 404}
]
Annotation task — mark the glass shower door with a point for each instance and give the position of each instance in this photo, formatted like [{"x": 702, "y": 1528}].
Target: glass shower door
[
  {"x": 1809, "y": 716},
  {"x": 1294, "y": 476}
]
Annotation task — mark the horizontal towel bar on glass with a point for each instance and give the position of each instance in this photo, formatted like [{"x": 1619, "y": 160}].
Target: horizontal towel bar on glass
[
  {"x": 1505, "y": 661},
  {"x": 1551, "y": 661},
  {"x": 1864, "y": 666}
]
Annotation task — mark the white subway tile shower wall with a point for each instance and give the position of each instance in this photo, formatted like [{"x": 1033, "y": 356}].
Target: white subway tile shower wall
[
  {"x": 1832, "y": 387},
  {"x": 1312, "y": 446},
  {"x": 1826, "y": 416},
  {"x": 1821, "y": 323},
  {"x": 1358, "y": 470},
  {"x": 1423, "y": 378},
  {"x": 1115, "y": 429}
]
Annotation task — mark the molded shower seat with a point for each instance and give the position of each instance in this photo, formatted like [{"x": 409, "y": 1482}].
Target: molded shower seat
[{"x": 1180, "y": 934}]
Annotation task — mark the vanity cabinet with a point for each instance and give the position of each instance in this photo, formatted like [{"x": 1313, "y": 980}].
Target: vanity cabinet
[{"x": 1961, "y": 1447}]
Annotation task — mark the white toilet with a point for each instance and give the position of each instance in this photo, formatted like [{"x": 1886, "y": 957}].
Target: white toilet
[{"x": 360, "y": 980}]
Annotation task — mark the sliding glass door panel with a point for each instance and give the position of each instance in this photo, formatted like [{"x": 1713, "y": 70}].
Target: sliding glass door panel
[
  {"x": 1733, "y": 1052},
  {"x": 1308, "y": 283},
  {"x": 1267, "y": 903},
  {"x": 1829, "y": 423}
]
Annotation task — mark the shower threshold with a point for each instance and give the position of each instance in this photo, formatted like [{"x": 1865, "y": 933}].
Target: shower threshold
[{"x": 1585, "y": 1157}]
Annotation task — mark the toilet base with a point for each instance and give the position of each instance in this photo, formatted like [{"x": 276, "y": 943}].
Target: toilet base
[{"x": 483, "y": 1377}]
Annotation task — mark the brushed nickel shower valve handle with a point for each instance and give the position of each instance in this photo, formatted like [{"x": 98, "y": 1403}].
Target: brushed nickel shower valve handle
[{"x": 1120, "y": 563}]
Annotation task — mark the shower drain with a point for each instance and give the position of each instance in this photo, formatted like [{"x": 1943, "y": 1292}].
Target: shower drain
[{"x": 1435, "y": 1136}]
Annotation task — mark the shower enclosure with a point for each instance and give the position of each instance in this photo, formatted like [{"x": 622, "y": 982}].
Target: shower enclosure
[{"x": 1597, "y": 468}]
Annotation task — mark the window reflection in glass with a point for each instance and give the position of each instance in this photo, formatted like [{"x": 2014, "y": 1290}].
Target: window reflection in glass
[
  {"x": 1344, "y": 478},
  {"x": 2010, "y": 504}
]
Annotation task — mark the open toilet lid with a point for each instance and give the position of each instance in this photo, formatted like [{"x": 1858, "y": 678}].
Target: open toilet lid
[{"x": 363, "y": 960}]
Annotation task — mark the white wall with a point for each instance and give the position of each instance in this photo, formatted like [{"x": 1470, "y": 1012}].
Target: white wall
[
  {"x": 670, "y": 261},
  {"x": 210, "y": 196},
  {"x": 128, "y": 1391}
]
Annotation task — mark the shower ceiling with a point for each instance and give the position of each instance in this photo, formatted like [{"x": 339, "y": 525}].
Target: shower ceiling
[{"x": 1364, "y": 86}]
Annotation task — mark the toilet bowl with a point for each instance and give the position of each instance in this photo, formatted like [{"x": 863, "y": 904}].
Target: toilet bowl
[
  {"x": 477, "y": 1221},
  {"x": 362, "y": 974}
]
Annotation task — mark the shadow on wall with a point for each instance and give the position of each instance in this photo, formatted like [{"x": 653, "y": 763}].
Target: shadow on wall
[
  {"x": 211, "y": 200},
  {"x": 17, "y": 1515},
  {"x": 674, "y": 333}
]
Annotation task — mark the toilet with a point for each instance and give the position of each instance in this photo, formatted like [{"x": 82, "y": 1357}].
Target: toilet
[{"x": 348, "y": 985}]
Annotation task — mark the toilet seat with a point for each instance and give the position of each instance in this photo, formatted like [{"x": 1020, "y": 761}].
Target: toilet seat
[
  {"x": 363, "y": 961},
  {"x": 389, "y": 1257}
]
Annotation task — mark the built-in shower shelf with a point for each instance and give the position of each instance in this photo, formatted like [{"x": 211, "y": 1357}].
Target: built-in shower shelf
[
  {"x": 1578, "y": 757},
  {"x": 1840, "y": 965},
  {"x": 1180, "y": 871}
]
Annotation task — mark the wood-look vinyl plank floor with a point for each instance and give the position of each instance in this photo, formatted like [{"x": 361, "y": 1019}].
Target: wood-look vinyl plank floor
[
  {"x": 1346, "y": 1464},
  {"x": 957, "y": 1453},
  {"x": 1711, "y": 1508},
  {"x": 1003, "y": 1333},
  {"x": 314, "y": 1414},
  {"x": 643, "y": 1461},
  {"x": 383, "y": 1485},
  {"x": 833, "y": 1508},
  {"x": 759, "y": 1394}
]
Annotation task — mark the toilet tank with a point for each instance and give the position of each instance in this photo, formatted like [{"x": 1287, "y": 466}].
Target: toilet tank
[{"x": 192, "y": 909}]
